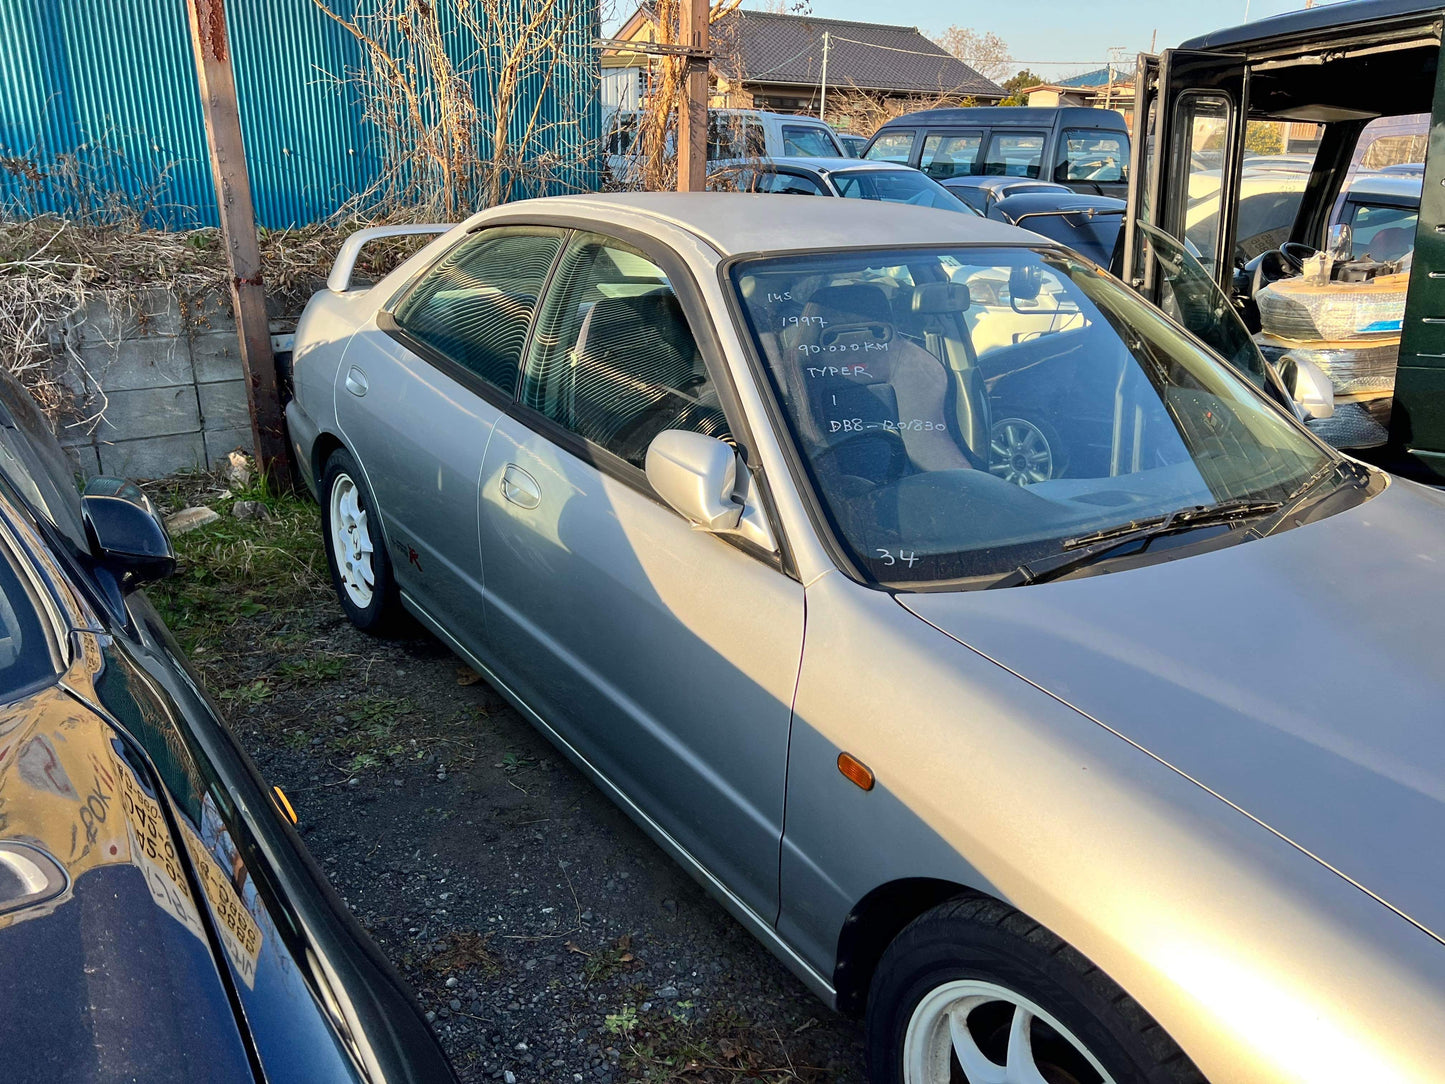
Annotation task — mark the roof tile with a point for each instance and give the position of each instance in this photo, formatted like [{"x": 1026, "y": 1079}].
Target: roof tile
[{"x": 772, "y": 48}]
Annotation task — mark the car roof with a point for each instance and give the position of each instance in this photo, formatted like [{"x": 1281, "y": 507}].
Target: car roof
[
  {"x": 1045, "y": 202},
  {"x": 1011, "y": 115},
  {"x": 977, "y": 180},
  {"x": 832, "y": 165},
  {"x": 1402, "y": 188},
  {"x": 735, "y": 223},
  {"x": 1307, "y": 20}
]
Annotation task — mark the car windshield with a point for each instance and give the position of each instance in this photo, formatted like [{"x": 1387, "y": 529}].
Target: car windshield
[
  {"x": 896, "y": 186},
  {"x": 965, "y": 410}
]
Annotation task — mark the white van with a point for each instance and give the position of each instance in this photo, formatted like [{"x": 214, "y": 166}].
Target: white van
[{"x": 731, "y": 134}]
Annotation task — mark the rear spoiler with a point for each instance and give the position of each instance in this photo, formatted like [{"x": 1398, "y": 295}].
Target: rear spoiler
[{"x": 339, "y": 280}]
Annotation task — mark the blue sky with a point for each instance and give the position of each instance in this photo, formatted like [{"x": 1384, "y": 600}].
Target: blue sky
[{"x": 1080, "y": 32}]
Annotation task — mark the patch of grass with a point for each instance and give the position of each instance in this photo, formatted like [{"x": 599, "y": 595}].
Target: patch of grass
[
  {"x": 308, "y": 670},
  {"x": 375, "y": 731},
  {"x": 233, "y": 571},
  {"x": 253, "y": 692},
  {"x": 512, "y": 763},
  {"x": 621, "y": 1023},
  {"x": 719, "y": 1048},
  {"x": 603, "y": 965}
]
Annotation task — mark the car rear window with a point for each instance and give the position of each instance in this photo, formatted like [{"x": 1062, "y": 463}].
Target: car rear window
[{"x": 809, "y": 141}]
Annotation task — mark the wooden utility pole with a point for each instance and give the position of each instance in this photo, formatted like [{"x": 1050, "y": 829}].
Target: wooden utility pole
[
  {"x": 692, "y": 121},
  {"x": 238, "y": 231}
]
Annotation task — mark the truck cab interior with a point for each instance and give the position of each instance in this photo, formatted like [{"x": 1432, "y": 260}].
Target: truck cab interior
[{"x": 1275, "y": 235}]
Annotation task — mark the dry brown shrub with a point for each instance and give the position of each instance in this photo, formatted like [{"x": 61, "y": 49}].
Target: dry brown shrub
[
  {"x": 864, "y": 111},
  {"x": 456, "y": 135},
  {"x": 52, "y": 270}
]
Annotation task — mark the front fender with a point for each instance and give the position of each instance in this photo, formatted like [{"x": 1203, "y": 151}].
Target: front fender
[{"x": 1262, "y": 963}]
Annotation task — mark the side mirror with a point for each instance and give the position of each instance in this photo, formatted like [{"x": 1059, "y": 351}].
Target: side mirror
[
  {"x": 126, "y": 534},
  {"x": 696, "y": 475},
  {"x": 1308, "y": 386},
  {"x": 1340, "y": 242}
]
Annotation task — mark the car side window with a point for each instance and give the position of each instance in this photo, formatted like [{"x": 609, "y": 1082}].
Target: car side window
[
  {"x": 789, "y": 184},
  {"x": 1014, "y": 154},
  {"x": 951, "y": 154},
  {"x": 614, "y": 360},
  {"x": 476, "y": 305},
  {"x": 892, "y": 147},
  {"x": 1092, "y": 156}
]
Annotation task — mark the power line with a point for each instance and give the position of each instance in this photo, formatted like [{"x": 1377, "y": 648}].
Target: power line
[{"x": 943, "y": 54}]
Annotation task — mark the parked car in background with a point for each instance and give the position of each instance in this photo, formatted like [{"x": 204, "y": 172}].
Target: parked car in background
[
  {"x": 160, "y": 919},
  {"x": 1086, "y": 149},
  {"x": 1069, "y": 794},
  {"x": 853, "y": 144},
  {"x": 1387, "y": 200},
  {"x": 847, "y": 178},
  {"x": 1364, "y": 311},
  {"x": 731, "y": 134},
  {"x": 981, "y": 193},
  {"x": 1090, "y": 225}
]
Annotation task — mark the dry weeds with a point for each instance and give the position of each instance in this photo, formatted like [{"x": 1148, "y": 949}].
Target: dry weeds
[{"x": 52, "y": 269}]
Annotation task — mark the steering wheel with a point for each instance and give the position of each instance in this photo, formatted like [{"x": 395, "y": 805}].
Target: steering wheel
[
  {"x": 1295, "y": 254},
  {"x": 897, "y": 451},
  {"x": 1279, "y": 263}
]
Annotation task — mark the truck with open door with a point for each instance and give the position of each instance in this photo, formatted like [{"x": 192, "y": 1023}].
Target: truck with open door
[{"x": 1352, "y": 335}]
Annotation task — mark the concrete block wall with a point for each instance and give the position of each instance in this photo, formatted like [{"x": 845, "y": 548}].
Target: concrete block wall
[{"x": 173, "y": 393}]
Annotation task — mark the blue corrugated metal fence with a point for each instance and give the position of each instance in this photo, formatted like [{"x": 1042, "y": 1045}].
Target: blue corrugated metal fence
[{"x": 98, "y": 101}]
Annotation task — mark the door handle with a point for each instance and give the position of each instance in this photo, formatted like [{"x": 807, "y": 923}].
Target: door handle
[
  {"x": 519, "y": 487},
  {"x": 356, "y": 382}
]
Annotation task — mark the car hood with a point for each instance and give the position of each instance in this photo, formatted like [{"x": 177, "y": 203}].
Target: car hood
[{"x": 1300, "y": 677}]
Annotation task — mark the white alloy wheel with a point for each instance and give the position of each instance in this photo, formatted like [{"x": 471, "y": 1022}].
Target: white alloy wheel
[
  {"x": 1019, "y": 452},
  {"x": 350, "y": 541},
  {"x": 956, "y": 1022}
]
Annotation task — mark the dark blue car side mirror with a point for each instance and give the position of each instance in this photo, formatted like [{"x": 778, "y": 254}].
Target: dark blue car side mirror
[{"x": 127, "y": 537}]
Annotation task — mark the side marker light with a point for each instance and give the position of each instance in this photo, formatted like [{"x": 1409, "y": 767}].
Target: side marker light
[{"x": 855, "y": 771}]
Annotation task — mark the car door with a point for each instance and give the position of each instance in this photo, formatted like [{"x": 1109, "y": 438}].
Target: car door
[
  {"x": 665, "y": 655},
  {"x": 422, "y": 389}
]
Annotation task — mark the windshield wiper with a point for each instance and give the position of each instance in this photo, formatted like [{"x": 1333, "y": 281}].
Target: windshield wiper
[
  {"x": 1088, "y": 548},
  {"x": 1303, "y": 493}
]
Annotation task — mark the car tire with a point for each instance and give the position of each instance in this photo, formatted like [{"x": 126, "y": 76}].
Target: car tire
[
  {"x": 355, "y": 548},
  {"x": 1019, "y": 989}
]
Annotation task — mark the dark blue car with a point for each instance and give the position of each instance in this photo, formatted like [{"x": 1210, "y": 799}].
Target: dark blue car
[{"x": 160, "y": 920}]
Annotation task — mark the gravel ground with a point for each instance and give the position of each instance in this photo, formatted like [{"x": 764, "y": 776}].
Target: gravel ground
[{"x": 546, "y": 936}]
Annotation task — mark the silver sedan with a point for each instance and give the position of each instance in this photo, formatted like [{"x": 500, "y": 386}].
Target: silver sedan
[{"x": 1031, "y": 682}]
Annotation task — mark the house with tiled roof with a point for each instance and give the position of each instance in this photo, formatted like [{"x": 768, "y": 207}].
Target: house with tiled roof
[
  {"x": 764, "y": 60},
  {"x": 1110, "y": 87}
]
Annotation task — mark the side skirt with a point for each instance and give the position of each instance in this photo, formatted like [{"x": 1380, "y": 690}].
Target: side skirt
[{"x": 750, "y": 919}]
